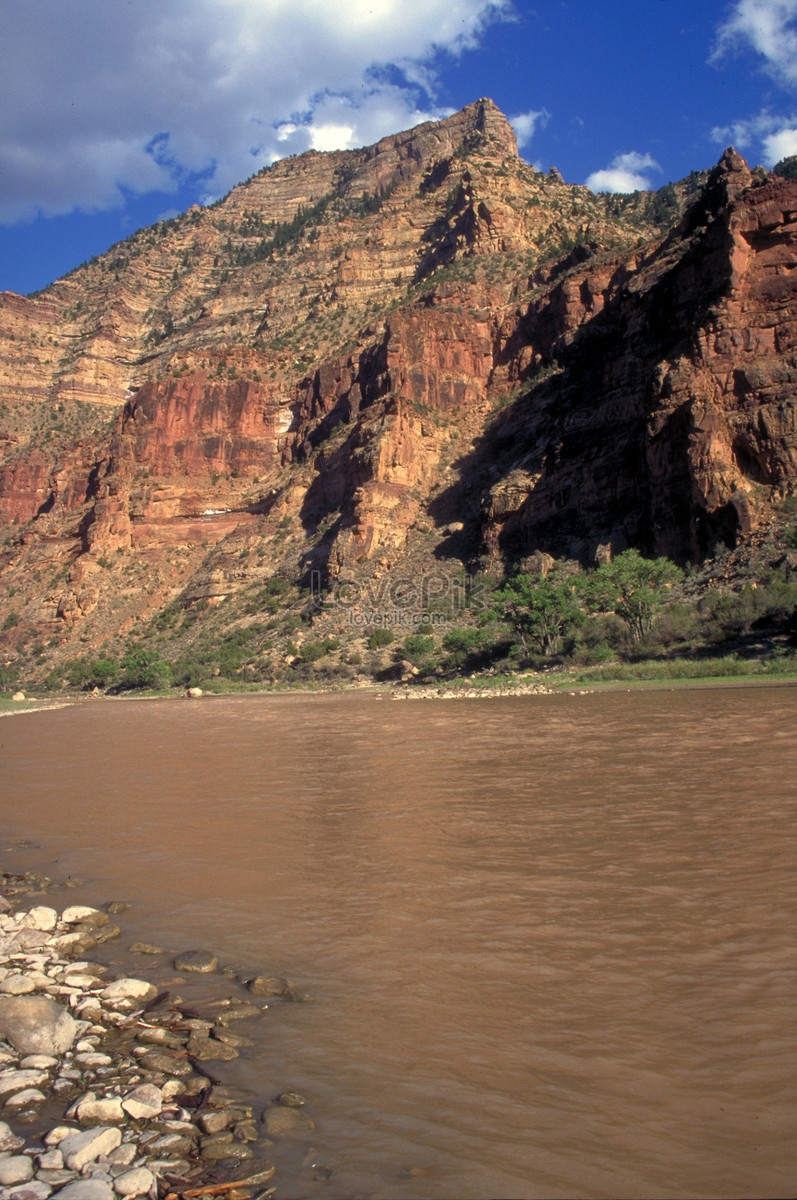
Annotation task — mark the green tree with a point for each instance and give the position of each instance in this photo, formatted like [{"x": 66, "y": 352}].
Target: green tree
[
  {"x": 786, "y": 168},
  {"x": 633, "y": 587},
  {"x": 141, "y": 668},
  {"x": 542, "y": 610}
]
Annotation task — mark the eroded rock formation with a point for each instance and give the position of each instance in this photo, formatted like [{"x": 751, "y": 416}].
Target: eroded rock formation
[{"x": 420, "y": 352}]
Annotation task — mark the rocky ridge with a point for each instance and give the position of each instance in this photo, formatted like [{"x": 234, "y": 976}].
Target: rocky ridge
[{"x": 422, "y": 356}]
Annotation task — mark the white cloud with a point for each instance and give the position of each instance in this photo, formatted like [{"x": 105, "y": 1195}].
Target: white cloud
[
  {"x": 776, "y": 136},
  {"x": 780, "y": 145},
  {"x": 525, "y": 124},
  {"x": 766, "y": 27},
  {"x": 624, "y": 174},
  {"x": 98, "y": 98}
]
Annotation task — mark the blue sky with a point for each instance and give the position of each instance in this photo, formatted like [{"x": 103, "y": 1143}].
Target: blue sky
[{"x": 115, "y": 113}]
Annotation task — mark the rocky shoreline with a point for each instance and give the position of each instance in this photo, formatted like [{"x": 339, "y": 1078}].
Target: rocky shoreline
[{"x": 108, "y": 1085}]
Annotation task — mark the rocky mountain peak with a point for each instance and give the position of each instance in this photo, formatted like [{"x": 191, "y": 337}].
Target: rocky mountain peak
[{"x": 380, "y": 360}]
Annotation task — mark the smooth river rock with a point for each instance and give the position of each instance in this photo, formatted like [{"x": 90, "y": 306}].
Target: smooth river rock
[
  {"x": 87, "y": 1189},
  {"x": 81, "y": 914},
  {"x": 143, "y": 1102},
  {"x": 36, "y": 1025},
  {"x": 200, "y": 961},
  {"x": 16, "y": 1169},
  {"x": 79, "y": 1149},
  {"x": 129, "y": 989},
  {"x": 282, "y": 1122}
]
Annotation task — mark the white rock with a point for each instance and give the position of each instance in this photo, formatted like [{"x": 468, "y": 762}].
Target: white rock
[
  {"x": 124, "y": 1155},
  {"x": 93, "y": 1060},
  {"x": 41, "y": 917},
  {"x": 28, "y": 1098},
  {"x": 134, "y": 1183},
  {"x": 81, "y": 980},
  {"x": 79, "y": 1149},
  {"x": 130, "y": 989},
  {"x": 38, "y": 1062},
  {"x": 79, "y": 914},
  {"x": 107, "y": 1110},
  {"x": 36, "y": 1025},
  {"x": 69, "y": 943},
  {"x": 50, "y": 1160},
  {"x": 8, "y": 1139},
  {"x": 28, "y": 939},
  {"x": 16, "y": 1169},
  {"x": 57, "y": 1135},
  {"x": 15, "y": 1081},
  {"x": 37, "y": 1189},
  {"x": 17, "y": 985},
  {"x": 143, "y": 1102},
  {"x": 87, "y": 1189},
  {"x": 90, "y": 1007}
]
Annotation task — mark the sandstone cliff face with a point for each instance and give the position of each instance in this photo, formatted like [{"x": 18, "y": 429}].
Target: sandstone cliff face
[
  {"x": 670, "y": 422},
  {"x": 387, "y": 359}
]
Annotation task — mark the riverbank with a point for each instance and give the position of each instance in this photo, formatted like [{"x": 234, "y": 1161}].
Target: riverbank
[
  {"x": 579, "y": 681},
  {"x": 113, "y": 1086}
]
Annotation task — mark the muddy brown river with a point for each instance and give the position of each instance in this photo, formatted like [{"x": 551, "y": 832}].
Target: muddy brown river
[{"x": 550, "y": 942}]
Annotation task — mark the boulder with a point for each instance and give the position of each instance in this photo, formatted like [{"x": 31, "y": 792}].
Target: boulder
[
  {"x": 36, "y": 1025},
  {"x": 41, "y": 917}
]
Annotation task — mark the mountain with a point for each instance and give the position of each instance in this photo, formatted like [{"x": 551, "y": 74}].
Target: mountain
[{"x": 419, "y": 360}]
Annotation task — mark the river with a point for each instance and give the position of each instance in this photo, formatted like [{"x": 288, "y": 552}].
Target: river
[{"x": 549, "y": 940}]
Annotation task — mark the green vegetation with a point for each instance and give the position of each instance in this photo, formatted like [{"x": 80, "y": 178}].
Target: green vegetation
[
  {"x": 541, "y": 610},
  {"x": 786, "y": 168}
]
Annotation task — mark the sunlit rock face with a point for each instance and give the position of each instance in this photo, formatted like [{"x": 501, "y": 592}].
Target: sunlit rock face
[{"x": 422, "y": 352}]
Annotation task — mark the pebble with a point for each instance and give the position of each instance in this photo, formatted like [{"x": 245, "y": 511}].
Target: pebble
[{"x": 128, "y": 1117}]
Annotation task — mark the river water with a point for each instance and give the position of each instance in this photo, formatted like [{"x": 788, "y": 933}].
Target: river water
[{"x": 549, "y": 941}]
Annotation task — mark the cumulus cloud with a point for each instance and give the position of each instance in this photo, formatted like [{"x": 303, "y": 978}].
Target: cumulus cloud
[
  {"x": 776, "y": 136},
  {"x": 780, "y": 145},
  {"x": 100, "y": 99},
  {"x": 769, "y": 28},
  {"x": 525, "y": 124},
  {"x": 624, "y": 174}
]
